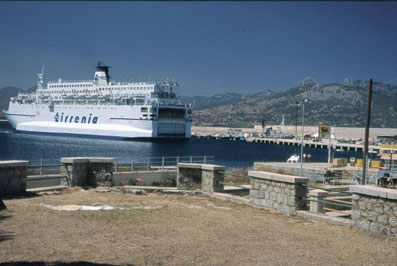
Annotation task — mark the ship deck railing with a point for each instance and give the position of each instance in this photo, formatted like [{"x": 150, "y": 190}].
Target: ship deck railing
[{"x": 111, "y": 83}]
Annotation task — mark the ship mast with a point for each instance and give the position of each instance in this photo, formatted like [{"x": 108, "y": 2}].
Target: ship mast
[{"x": 40, "y": 77}]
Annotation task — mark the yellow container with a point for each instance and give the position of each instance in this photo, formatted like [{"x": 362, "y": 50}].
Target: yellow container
[
  {"x": 337, "y": 162},
  {"x": 360, "y": 163},
  {"x": 375, "y": 164},
  {"x": 344, "y": 161}
]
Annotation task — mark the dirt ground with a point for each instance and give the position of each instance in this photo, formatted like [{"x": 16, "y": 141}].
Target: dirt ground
[{"x": 160, "y": 229}]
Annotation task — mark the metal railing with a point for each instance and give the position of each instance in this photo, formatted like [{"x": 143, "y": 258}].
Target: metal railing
[
  {"x": 240, "y": 190},
  {"x": 338, "y": 200},
  {"x": 156, "y": 163},
  {"x": 44, "y": 173},
  {"x": 337, "y": 190},
  {"x": 331, "y": 202},
  {"x": 44, "y": 167}
]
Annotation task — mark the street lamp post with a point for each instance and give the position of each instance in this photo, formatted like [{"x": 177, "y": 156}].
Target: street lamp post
[
  {"x": 303, "y": 132},
  {"x": 296, "y": 120}
]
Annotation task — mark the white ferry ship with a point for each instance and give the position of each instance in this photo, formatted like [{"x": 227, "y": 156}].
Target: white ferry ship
[{"x": 102, "y": 108}]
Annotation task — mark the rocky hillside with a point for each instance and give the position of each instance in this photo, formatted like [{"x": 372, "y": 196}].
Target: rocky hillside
[
  {"x": 201, "y": 102},
  {"x": 330, "y": 104}
]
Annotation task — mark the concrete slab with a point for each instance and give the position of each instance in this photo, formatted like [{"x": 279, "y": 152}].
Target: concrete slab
[
  {"x": 230, "y": 198},
  {"x": 13, "y": 163},
  {"x": 213, "y": 167},
  {"x": 74, "y": 160},
  {"x": 43, "y": 189},
  {"x": 323, "y": 218},
  {"x": 380, "y": 192},
  {"x": 278, "y": 177},
  {"x": 189, "y": 165},
  {"x": 318, "y": 193},
  {"x": 100, "y": 160},
  {"x": 87, "y": 159}
]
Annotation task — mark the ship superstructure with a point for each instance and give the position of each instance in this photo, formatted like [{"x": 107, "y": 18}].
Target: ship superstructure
[{"x": 102, "y": 108}]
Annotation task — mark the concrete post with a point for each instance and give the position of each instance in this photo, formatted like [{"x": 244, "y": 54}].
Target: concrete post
[
  {"x": 212, "y": 178},
  {"x": 317, "y": 194},
  {"x": 75, "y": 170}
]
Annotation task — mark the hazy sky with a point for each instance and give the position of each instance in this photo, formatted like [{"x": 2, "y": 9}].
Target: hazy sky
[{"x": 209, "y": 47}]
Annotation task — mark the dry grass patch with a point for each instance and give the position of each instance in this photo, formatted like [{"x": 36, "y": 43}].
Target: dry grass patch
[{"x": 156, "y": 229}]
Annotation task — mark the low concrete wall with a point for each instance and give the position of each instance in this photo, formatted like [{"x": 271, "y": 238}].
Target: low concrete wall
[
  {"x": 292, "y": 169},
  {"x": 88, "y": 171},
  {"x": 13, "y": 177},
  {"x": 206, "y": 177},
  {"x": 375, "y": 209},
  {"x": 275, "y": 191},
  {"x": 149, "y": 178}
]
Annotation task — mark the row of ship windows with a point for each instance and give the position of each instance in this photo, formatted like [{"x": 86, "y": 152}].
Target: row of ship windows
[
  {"x": 128, "y": 88},
  {"x": 78, "y": 91},
  {"x": 101, "y": 89},
  {"x": 70, "y": 86},
  {"x": 77, "y": 107}
]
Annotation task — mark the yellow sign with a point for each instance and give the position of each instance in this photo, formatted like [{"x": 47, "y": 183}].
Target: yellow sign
[
  {"x": 388, "y": 146},
  {"x": 324, "y": 131}
]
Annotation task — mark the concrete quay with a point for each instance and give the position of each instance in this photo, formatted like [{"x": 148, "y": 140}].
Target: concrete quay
[
  {"x": 312, "y": 144},
  {"x": 338, "y": 132}
]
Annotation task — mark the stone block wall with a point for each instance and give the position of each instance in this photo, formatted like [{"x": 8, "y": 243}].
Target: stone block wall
[
  {"x": 275, "y": 191},
  {"x": 13, "y": 177},
  {"x": 374, "y": 209},
  {"x": 100, "y": 171},
  {"x": 206, "y": 177},
  {"x": 87, "y": 171}
]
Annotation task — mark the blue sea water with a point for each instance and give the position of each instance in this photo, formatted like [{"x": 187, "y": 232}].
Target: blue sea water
[{"x": 233, "y": 154}]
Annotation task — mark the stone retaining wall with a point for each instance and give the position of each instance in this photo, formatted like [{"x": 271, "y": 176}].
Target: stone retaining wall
[
  {"x": 375, "y": 209},
  {"x": 13, "y": 177},
  {"x": 275, "y": 191}
]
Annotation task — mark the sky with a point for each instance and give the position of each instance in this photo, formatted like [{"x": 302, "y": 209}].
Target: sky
[{"x": 209, "y": 47}]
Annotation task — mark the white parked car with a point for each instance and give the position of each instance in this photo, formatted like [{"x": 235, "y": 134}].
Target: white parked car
[{"x": 293, "y": 159}]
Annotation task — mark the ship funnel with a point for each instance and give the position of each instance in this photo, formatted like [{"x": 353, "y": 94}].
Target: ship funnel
[{"x": 102, "y": 74}]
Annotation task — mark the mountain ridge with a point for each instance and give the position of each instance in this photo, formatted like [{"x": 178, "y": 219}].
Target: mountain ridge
[{"x": 329, "y": 104}]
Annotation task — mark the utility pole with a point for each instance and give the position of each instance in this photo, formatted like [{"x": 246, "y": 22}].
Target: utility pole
[
  {"x": 329, "y": 148},
  {"x": 303, "y": 133},
  {"x": 367, "y": 121},
  {"x": 296, "y": 120}
]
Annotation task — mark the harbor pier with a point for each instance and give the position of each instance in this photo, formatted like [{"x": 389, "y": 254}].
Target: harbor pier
[{"x": 314, "y": 144}]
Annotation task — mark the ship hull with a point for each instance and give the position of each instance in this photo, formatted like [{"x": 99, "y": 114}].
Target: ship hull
[{"x": 116, "y": 123}]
